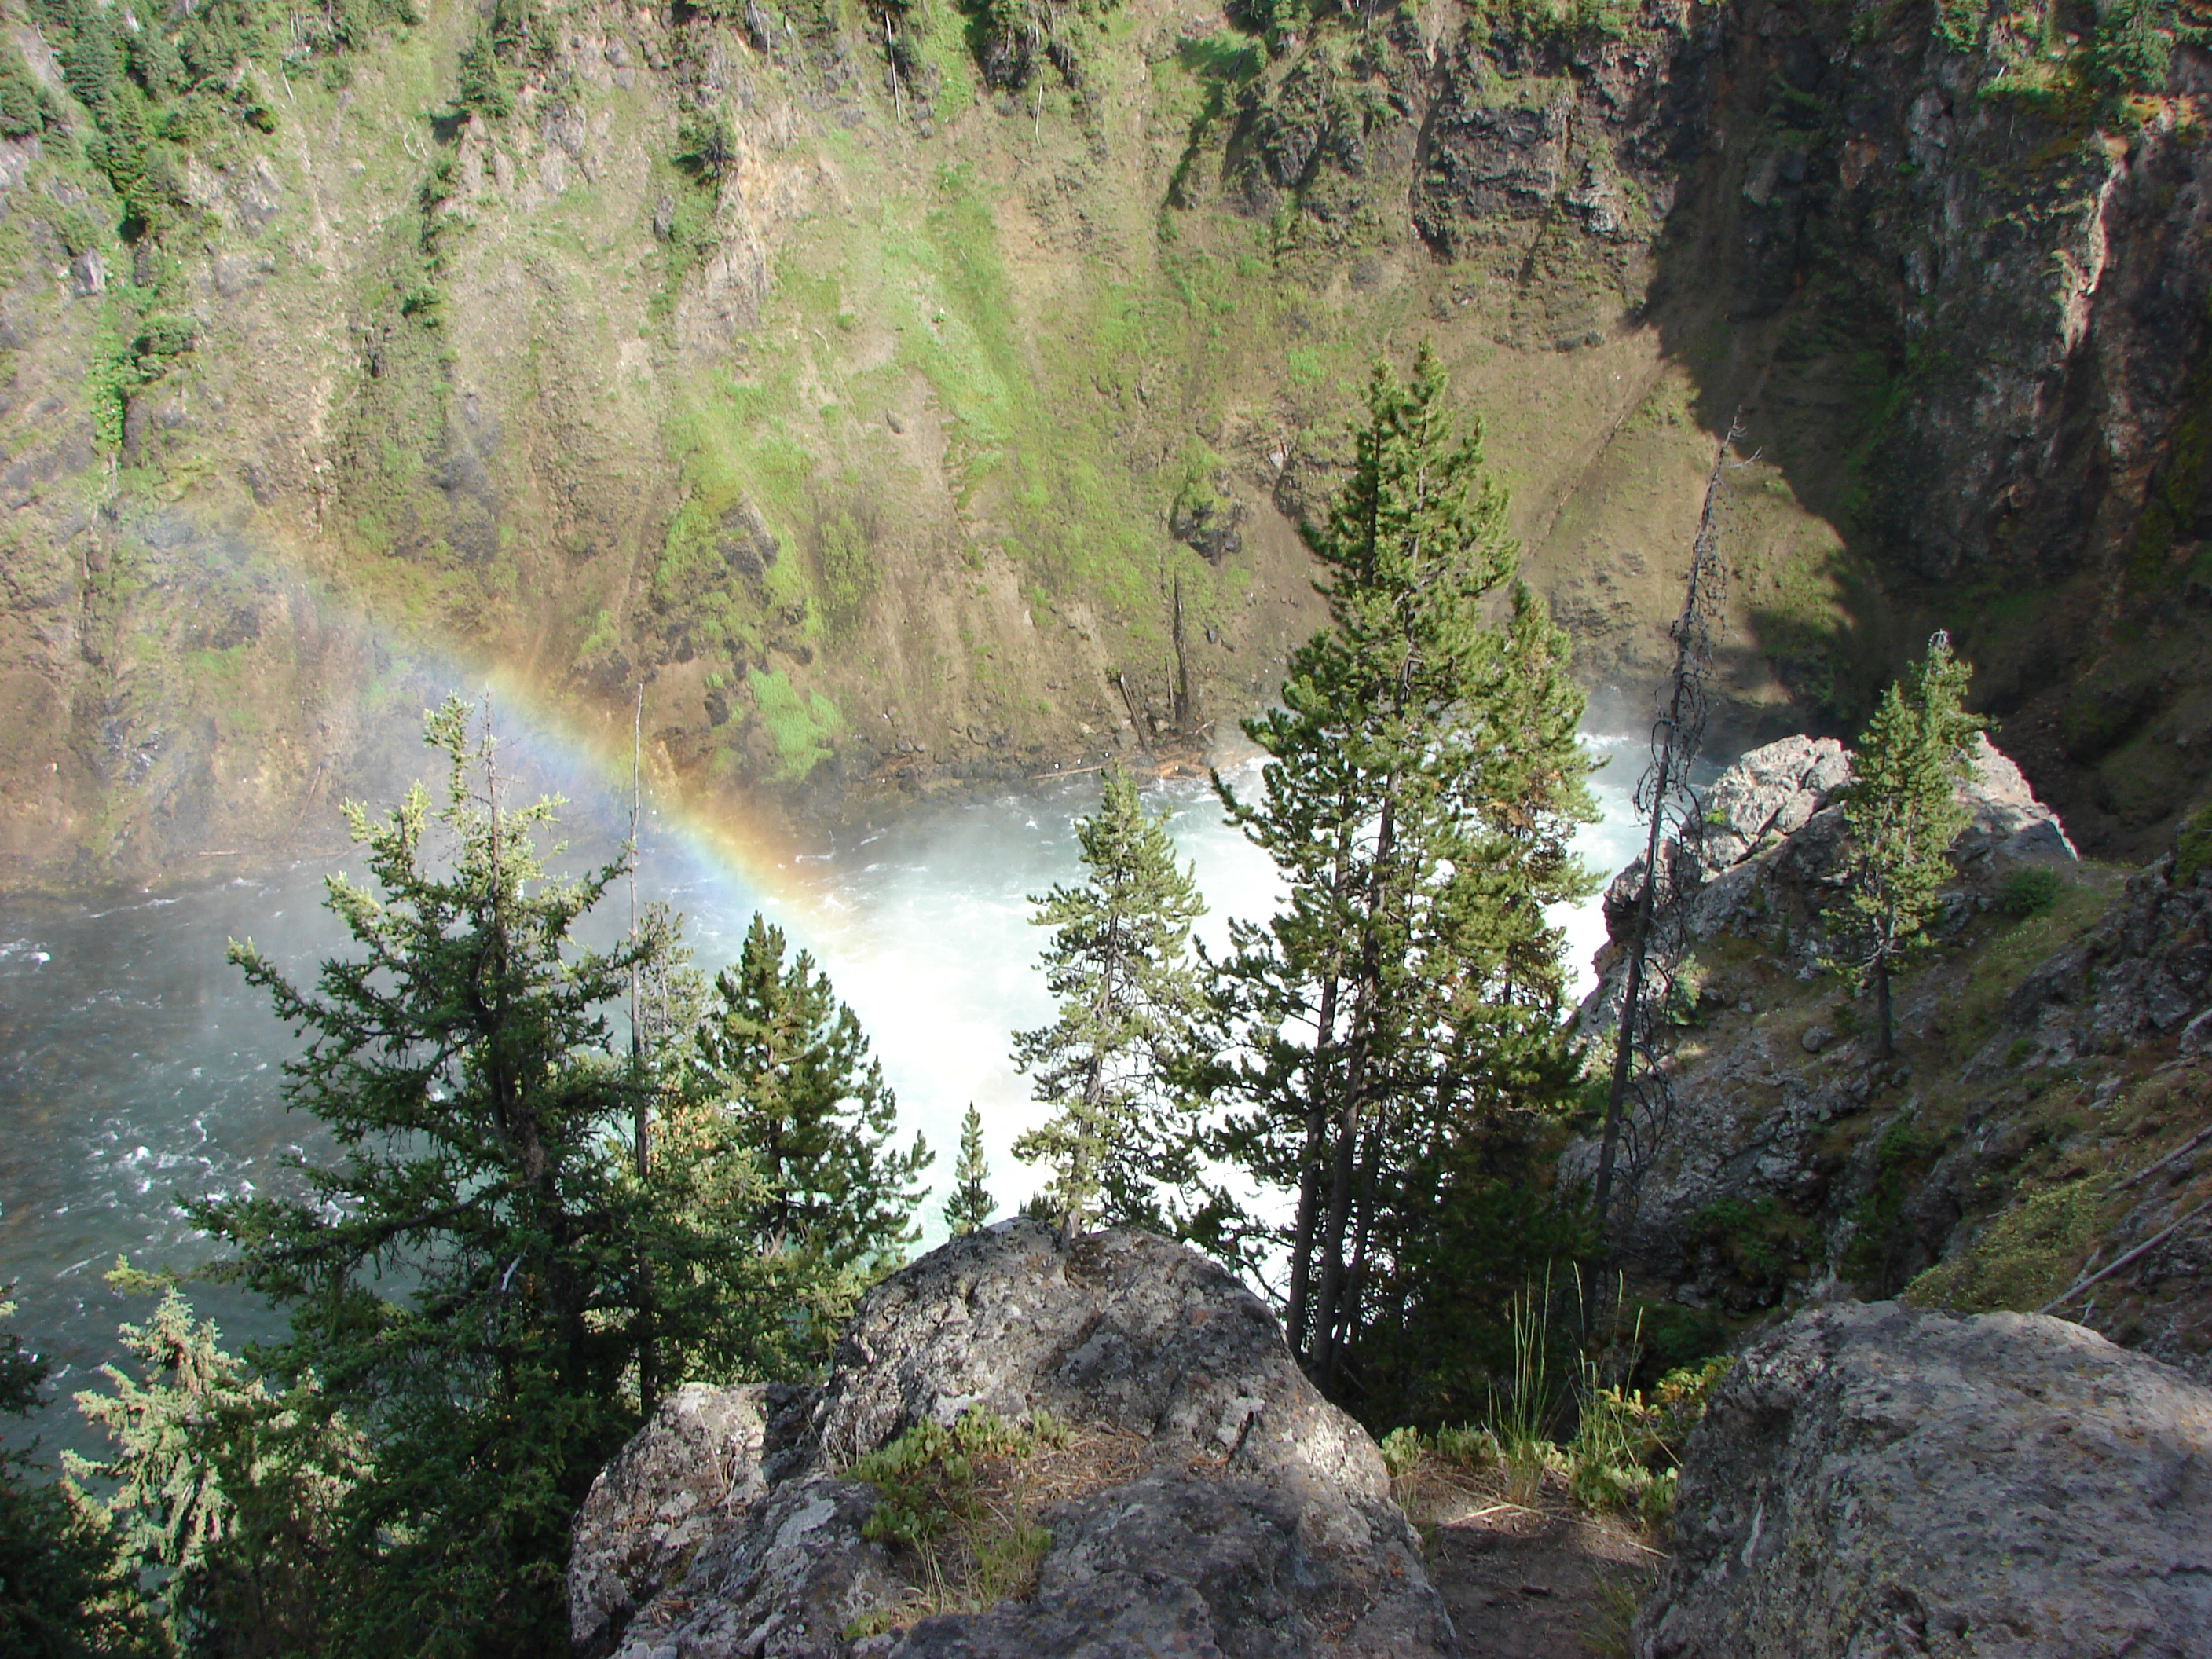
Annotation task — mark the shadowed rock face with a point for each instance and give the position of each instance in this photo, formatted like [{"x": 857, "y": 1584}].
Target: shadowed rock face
[
  {"x": 1871, "y": 1480},
  {"x": 1244, "y": 1516}
]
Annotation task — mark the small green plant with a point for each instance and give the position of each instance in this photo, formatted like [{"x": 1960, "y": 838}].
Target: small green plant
[
  {"x": 801, "y": 729},
  {"x": 1627, "y": 1446},
  {"x": 707, "y": 147},
  {"x": 1520, "y": 1413},
  {"x": 1430, "y": 1472},
  {"x": 1401, "y": 1451},
  {"x": 2192, "y": 845},
  {"x": 1619, "y": 1597},
  {"x": 1467, "y": 1447},
  {"x": 2028, "y": 893},
  {"x": 946, "y": 1498}
]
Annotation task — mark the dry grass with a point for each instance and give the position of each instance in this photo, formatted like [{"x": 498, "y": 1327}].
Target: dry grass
[{"x": 985, "y": 1544}]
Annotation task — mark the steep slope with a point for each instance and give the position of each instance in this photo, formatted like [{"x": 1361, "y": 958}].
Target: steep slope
[
  {"x": 876, "y": 387},
  {"x": 2040, "y": 1139}
]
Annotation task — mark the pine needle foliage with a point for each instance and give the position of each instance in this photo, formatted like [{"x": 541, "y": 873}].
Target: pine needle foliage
[
  {"x": 786, "y": 1067},
  {"x": 1121, "y": 964},
  {"x": 462, "y": 1275},
  {"x": 1422, "y": 785},
  {"x": 970, "y": 1204},
  {"x": 1903, "y": 811},
  {"x": 62, "y": 1596},
  {"x": 223, "y": 1492}
]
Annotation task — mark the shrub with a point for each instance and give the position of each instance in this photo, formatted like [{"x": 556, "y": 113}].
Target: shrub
[
  {"x": 934, "y": 1504},
  {"x": 1627, "y": 1446},
  {"x": 20, "y": 112},
  {"x": 2192, "y": 845},
  {"x": 2029, "y": 893},
  {"x": 2019, "y": 1259},
  {"x": 706, "y": 146}
]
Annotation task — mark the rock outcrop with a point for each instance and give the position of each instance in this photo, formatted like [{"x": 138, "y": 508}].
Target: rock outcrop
[
  {"x": 2038, "y": 1052},
  {"x": 1871, "y": 1480},
  {"x": 1229, "y": 1509},
  {"x": 1767, "y": 856}
]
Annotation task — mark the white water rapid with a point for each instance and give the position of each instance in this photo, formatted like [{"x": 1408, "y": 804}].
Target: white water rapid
[{"x": 135, "y": 1067}]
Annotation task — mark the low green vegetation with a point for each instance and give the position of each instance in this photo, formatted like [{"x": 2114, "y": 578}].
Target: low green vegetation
[
  {"x": 2192, "y": 844},
  {"x": 1761, "y": 1244},
  {"x": 2021, "y": 1258},
  {"x": 800, "y": 728},
  {"x": 953, "y": 1505},
  {"x": 2027, "y": 894},
  {"x": 168, "y": 87},
  {"x": 1619, "y": 1458}
]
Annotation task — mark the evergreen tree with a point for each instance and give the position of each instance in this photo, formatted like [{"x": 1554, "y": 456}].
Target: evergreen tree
[
  {"x": 786, "y": 1064},
  {"x": 62, "y": 1596},
  {"x": 461, "y": 1276},
  {"x": 223, "y": 1492},
  {"x": 1119, "y": 963},
  {"x": 1903, "y": 811},
  {"x": 1422, "y": 785},
  {"x": 970, "y": 1204}
]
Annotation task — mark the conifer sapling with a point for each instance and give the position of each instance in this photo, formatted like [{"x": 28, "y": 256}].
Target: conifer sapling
[
  {"x": 970, "y": 1204},
  {"x": 1119, "y": 964},
  {"x": 1903, "y": 811}
]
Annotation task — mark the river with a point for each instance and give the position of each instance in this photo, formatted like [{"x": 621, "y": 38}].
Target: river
[{"x": 136, "y": 1067}]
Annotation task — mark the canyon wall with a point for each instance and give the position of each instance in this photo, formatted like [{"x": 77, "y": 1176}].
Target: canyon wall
[{"x": 899, "y": 399}]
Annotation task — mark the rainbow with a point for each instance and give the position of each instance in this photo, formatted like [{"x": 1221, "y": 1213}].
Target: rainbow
[{"x": 590, "y": 761}]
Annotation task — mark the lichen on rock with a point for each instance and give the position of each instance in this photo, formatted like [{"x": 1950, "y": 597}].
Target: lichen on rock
[
  {"x": 1241, "y": 1515},
  {"x": 1873, "y": 1481}
]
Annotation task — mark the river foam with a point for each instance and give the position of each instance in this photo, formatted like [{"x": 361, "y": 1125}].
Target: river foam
[{"x": 137, "y": 1067}]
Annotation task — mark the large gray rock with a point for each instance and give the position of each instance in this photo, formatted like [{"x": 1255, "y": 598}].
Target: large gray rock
[
  {"x": 1242, "y": 1516},
  {"x": 2007, "y": 821},
  {"x": 1872, "y": 1481},
  {"x": 1771, "y": 792}
]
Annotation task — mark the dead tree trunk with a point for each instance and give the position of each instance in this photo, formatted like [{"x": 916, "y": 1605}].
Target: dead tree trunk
[{"x": 1664, "y": 796}]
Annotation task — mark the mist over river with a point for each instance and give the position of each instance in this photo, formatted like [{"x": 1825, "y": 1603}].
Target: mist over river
[{"x": 136, "y": 1065}]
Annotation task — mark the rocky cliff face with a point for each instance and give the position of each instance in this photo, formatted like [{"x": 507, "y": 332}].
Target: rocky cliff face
[
  {"x": 2050, "y": 1064},
  {"x": 1195, "y": 1494},
  {"x": 1869, "y": 1480},
  {"x": 870, "y": 404}
]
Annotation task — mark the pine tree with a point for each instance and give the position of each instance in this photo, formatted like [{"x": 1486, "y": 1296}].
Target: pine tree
[
  {"x": 1422, "y": 785},
  {"x": 970, "y": 1204},
  {"x": 461, "y": 1275},
  {"x": 1119, "y": 964},
  {"x": 63, "y": 1595},
  {"x": 223, "y": 1492},
  {"x": 1903, "y": 811},
  {"x": 786, "y": 1065}
]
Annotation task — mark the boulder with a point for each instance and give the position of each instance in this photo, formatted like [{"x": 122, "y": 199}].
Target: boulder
[
  {"x": 2009, "y": 822},
  {"x": 1771, "y": 791},
  {"x": 1227, "y": 1510},
  {"x": 1871, "y": 1480}
]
